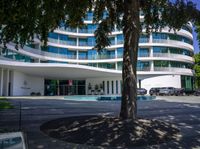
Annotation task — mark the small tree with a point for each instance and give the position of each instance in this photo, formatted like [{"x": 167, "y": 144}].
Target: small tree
[
  {"x": 21, "y": 20},
  {"x": 197, "y": 70}
]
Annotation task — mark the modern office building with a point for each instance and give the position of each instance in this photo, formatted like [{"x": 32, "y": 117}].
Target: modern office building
[{"x": 70, "y": 66}]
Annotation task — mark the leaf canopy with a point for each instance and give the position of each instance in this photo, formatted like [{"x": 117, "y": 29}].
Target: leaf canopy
[{"x": 21, "y": 20}]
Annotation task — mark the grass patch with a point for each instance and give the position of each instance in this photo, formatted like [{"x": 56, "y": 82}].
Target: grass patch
[
  {"x": 2, "y": 98},
  {"x": 4, "y": 104}
]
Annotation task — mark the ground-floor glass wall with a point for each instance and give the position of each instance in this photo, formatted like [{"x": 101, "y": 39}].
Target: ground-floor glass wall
[
  {"x": 64, "y": 87},
  {"x": 187, "y": 82}
]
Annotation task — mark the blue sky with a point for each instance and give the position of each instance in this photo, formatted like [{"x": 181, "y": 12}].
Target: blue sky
[{"x": 196, "y": 46}]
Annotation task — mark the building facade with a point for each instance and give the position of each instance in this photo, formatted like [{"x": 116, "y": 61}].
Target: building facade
[{"x": 70, "y": 66}]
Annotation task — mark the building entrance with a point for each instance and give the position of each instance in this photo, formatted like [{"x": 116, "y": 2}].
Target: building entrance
[{"x": 64, "y": 87}]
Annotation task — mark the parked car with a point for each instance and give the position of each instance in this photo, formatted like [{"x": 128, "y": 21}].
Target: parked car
[
  {"x": 179, "y": 91},
  {"x": 197, "y": 92},
  {"x": 141, "y": 91},
  {"x": 154, "y": 91},
  {"x": 167, "y": 91}
]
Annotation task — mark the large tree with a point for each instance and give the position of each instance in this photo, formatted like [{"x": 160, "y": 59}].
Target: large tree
[{"x": 21, "y": 20}]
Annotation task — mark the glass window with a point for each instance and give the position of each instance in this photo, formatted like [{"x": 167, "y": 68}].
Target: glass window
[
  {"x": 143, "y": 52},
  {"x": 111, "y": 54},
  {"x": 92, "y": 54},
  {"x": 157, "y": 36},
  {"x": 82, "y": 54},
  {"x": 144, "y": 38},
  {"x": 112, "y": 40},
  {"x": 161, "y": 63},
  {"x": 143, "y": 66},
  {"x": 120, "y": 52},
  {"x": 53, "y": 35},
  {"x": 119, "y": 65},
  {"x": 71, "y": 54},
  {"x": 52, "y": 49},
  {"x": 62, "y": 37},
  {"x": 83, "y": 42},
  {"x": 62, "y": 51},
  {"x": 89, "y": 16},
  {"x": 107, "y": 65},
  {"x": 116, "y": 86},
  {"x": 71, "y": 41},
  {"x": 120, "y": 39},
  {"x": 160, "y": 50},
  {"x": 91, "y": 41}
]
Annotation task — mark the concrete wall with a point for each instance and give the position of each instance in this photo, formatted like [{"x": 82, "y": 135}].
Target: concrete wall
[
  {"x": 23, "y": 84},
  {"x": 147, "y": 82}
]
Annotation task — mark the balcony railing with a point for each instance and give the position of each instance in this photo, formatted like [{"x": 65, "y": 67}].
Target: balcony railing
[
  {"x": 172, "y": 55},
  {"x": 143, "y": 68},
  {"x": 173, "y": 69}
]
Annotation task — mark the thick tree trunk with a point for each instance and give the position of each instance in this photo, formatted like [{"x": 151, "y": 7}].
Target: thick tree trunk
[{"x": 129, "y": 79}]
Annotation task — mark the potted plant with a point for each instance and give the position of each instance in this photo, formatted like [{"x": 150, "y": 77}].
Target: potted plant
[
  {"x": 96, "y": 89},
  {"x": 89, "y": 89},
  {"x": 101, "y": 89}
]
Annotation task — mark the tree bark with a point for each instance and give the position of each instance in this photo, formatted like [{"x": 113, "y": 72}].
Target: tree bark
[{"x": 131, "y": 32}]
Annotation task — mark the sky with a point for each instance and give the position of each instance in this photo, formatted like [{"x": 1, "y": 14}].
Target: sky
[{"x": 196, "y": 46}]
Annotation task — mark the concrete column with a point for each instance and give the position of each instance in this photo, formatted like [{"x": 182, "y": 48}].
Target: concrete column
[
  {"x": 115, "y": 39},
  {"x": 7, "y": 82},
  {"x": 151, "y": 66},
  {"x": 151, "y": 52},
  {"x": 77, "y": 54},
  {"x": 150, "y": 38},
  {"x": 1, "y": 87},
  {"x": 115, "y": 53},
  {"x": 116, "y": 66},
  {"x": 77, "y": 41}
]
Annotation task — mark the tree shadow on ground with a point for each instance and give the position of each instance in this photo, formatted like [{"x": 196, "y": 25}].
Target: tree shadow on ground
[{"x": 111, "y": 131}]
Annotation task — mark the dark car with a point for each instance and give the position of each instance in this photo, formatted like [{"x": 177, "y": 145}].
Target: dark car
[
  {"x": 141, "y": 91},
  {"x": 197, "y": 92},
  {"x": 167, "y": 91},
  {"x": 154, "y": 91},
  {"x": 179, "y": 91}
]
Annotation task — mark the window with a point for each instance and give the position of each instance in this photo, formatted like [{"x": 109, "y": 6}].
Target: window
[
  {"x": 120, "y": 52},
  {"x": 120, "y": 39},
  {"x": 143, "y": 66},
  {"x": 53, "y": 35},
  {"x": 116, "y": 86},
  {"x": 144, "y": 38},
  {"x": 92, "y": 54},
  {"x": 82, "y": 55},
  {"x": 91, "y": 41},
  {"x": 112, "y": 87},
  {"x": 157, "y": 36},
  {"x": 161, "y": 63},
  {"x": 83, "y": 42},
  {"x": 160, "y": 50},
  {"x": 143, "y": 52},
  {"x": 103, "y": 86}
]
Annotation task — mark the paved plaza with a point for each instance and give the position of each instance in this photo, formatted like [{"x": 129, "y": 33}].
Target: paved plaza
[{"x": 184, "y": 112}]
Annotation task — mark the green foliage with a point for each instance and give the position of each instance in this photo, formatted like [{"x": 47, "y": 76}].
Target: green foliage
[
  {"x": 5, "y": 105},
  {"x": 197, "y": 25},
  {"x": 21, "y": 20},
  {"x": 197, "y": 70}
]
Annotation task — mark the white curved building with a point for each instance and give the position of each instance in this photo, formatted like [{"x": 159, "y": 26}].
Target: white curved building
[{"x": 69, "y": 66}]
